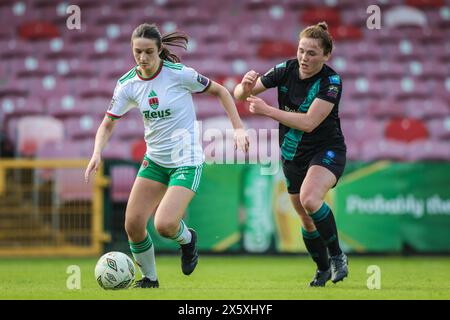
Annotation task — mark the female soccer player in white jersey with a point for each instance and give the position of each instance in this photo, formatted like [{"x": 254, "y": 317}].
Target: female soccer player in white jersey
[{"x": 170, "y": 173}]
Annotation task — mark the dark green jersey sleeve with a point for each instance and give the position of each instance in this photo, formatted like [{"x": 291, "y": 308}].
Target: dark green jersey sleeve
[{"x": 274, "y": 76}]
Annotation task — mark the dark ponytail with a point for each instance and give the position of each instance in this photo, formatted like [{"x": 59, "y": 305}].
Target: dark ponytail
[{"x": 174, "y": 39}]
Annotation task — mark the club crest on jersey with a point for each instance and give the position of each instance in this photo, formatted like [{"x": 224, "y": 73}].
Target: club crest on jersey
[
  {"x": 144, "y": 164},
  {"x": 153, "y": 100}
]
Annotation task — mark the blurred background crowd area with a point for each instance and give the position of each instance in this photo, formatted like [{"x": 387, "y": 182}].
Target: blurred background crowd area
[{"x": 56, "y": 83}]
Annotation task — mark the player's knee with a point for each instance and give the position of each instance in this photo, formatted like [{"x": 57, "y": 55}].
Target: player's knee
[
  {"x": 310, "y": 202},
  {"x": 134, "y": 228},
  {"x": 167, "y": 229}
]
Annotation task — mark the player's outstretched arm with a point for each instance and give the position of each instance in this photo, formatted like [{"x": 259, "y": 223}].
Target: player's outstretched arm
[
  {"x": 306, "y": 122},
  {"x": 104, "y": 132},
  {"x": 250, "y": 85},
  {"x": 240, "y": 135}
]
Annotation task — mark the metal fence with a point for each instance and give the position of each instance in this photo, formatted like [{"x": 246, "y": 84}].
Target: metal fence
[{"x": 46, "y": 208}]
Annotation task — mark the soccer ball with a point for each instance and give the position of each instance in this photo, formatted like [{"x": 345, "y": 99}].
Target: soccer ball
[{"x": 115, "y": 270}]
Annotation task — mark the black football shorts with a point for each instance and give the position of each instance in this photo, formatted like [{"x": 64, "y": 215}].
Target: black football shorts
[{"x": 333, "y": 158}]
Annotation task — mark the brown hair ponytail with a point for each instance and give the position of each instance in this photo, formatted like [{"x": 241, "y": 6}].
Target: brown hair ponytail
[
  {"x": 319, "y": 31},
  {"x": 175, "y": 39}
]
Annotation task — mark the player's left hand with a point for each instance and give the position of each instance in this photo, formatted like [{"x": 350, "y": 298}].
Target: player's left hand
[
  {"x": 241, "y": 140},
  {"x": 258, "y": 106}
]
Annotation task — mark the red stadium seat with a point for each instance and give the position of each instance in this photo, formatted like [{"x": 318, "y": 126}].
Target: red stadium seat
[
  {"x": 138, "y": 149},
  {"x": 276, "y": 49},
  {"x": 37, "y": 30},
  {"x": 346, "y": 33},
  {"x": 406, "y": 130},
  {"x": 318, "y": 14},
  {"x": 425, "y": 3}
]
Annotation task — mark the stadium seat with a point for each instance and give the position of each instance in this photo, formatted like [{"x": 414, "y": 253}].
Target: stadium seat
[
  {"x": 129, "y": 128},
  {"x": 429, "y": 151},
  {"x": 427, "y": 70},
  {"x": 373, "y": 150},
  {"x": 346, "y": 33},
  {"x": 34, "y": 131},
  {"x": 208, "y": 107},
  {"x": 386, "y": 70},
  {"x": 439, "y": 129},
  {"x": 406, "y": 130},
  {"x": 12, "y": 107},
  {"x": 68, "y": 149},
  {"x": 117, "y": 149},
  {"x": 401, "y": 16},
  {"x": 362, "y": 129},
  {"x": 66, "y": 106},
  {"x": 122, "y": 179},
  {"x": 70, "y": 185},
  {"x": 138, "y": 149},
  {"x": 15, "y": 49},
  {"x": 317, "y": 14},
  {"x": 363, "y": 87},
  {"x": 36, "y": 30},
  {"x": 426, "y": 108},
  {"x": 386, "y": 109},
  {"x": 351, "y": 109},
  {"x": 276, "y": 49},
  {"x": 81, "y": 128},
  {"x": 353, "y": 150},
  {"x": 425, "y": 3}
]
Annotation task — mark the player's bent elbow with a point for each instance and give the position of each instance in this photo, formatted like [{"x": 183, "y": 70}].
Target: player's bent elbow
[{"x": 309, "y": 128}]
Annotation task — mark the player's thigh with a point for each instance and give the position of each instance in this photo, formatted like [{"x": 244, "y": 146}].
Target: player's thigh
[
  {"x": 145, "y": 196},
  {"x": 173, "y": 206},
  {"x": 307, "y": 222},
  {"x": 318, "y": 181}
]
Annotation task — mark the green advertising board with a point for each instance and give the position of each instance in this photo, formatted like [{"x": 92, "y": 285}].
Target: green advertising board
[
  {"x": 379, "y": 207},
  {"x": 390, "y": 207}
]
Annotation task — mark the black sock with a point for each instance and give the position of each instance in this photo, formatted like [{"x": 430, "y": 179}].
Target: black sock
[
  {"x": 325, "y": 224},
  {"x": 316, "y": 249}
]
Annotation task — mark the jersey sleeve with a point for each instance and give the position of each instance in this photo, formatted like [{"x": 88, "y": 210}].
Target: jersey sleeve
[
  {"x": 273, "y": 77},
  {"x": 120, "y": 102},
  {"x": 194, "y": 81},
  {"x": 330, "y": 89}
]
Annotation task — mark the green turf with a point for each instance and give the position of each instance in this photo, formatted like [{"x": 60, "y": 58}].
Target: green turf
[{"x": 233, "y": 277}]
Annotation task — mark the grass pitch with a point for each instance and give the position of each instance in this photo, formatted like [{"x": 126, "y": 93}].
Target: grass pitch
[{"x": 233, "y": 278}]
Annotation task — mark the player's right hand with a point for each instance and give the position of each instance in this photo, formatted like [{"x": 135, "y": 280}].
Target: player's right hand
[
  {"x": 248, "y": 82},
  {"x": 92, "y": 167}
]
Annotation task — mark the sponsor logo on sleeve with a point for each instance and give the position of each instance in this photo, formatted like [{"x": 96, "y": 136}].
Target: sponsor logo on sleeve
[
  {"x": 335, "y": 79},
  {"x": 332, "y": 92},
  {"x": 202, "y": 80}
]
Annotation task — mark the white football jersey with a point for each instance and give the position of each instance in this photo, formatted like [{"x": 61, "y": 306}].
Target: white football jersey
[{"x": 165, "y": 103}]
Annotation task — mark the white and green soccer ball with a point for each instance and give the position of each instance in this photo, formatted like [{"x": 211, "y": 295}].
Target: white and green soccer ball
[{"x": 115, "y": 270}]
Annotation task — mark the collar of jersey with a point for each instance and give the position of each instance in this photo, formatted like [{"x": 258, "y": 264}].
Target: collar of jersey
[
  {"x": 314, "y": 77},
  {"x": 153, "y": 76}
]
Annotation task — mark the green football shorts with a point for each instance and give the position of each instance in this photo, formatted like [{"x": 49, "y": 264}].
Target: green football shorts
[{"x": 188, "y": 177}]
